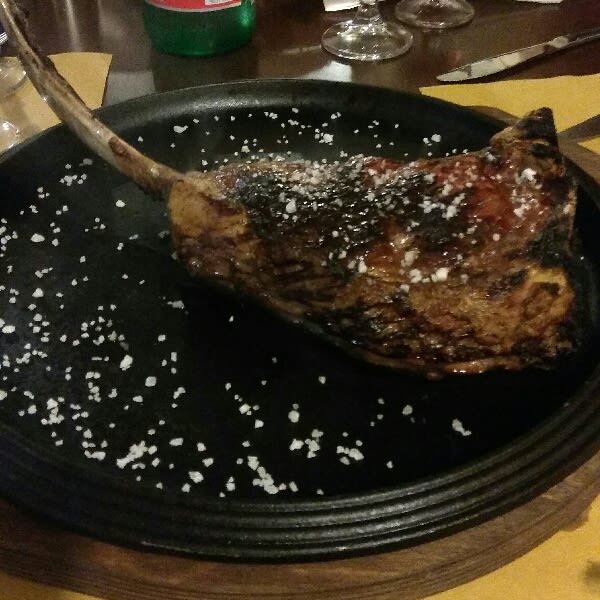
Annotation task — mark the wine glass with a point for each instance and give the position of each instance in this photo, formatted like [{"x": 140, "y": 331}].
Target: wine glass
[
  {"x": 434, "y": 14},
  {"x": 12, "y": 76},
  {"x": 367, "y": 37}
]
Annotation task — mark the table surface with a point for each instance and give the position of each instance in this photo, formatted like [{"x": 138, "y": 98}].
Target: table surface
[{"x": 286, "y": 44}]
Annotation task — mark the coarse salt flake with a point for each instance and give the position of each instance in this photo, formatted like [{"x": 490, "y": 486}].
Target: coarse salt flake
[
  {"x": 96, "y": 455},
  {"x": 196, "y": 476},
  {"x": 527, "y": 174},
  {"x": 126, "y": 362},
  {"x": 415, "y": 275},
  {"x": 440, "y": 274},
  {"x": 296, "y": 444},
  {"x": 177, "y": 304},
  {"x": 459, "y": 428}
]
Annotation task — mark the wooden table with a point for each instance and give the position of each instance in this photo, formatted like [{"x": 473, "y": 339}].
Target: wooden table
[{"x": 286, "y": 44}]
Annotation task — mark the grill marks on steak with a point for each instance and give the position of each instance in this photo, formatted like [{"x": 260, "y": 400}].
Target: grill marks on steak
[
  {"x": 437, "y": 265},
  {"x": 446, "y": 265}
]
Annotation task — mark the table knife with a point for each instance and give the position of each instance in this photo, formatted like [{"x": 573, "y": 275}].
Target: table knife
[
  {"x": 501, "y": 62},
  {"x": 585, "y": 130}
]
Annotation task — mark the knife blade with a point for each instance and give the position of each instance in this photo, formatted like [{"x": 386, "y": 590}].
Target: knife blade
[
  {"x": 508, "y": 60},
  {"x": 590, "y": 128}
]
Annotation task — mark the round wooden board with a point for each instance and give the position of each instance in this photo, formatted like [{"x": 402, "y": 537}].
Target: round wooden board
[{"x": 33, "y": 549}]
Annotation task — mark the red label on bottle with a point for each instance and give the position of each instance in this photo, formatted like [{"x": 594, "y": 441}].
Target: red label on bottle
[{"x": 194, "y": 5}]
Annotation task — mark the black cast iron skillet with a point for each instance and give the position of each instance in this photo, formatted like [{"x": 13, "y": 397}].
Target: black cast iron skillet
[{"x": 182, "y": 448}]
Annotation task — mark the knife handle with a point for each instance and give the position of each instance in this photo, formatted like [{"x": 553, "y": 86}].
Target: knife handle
[{"x": 583, "y": 37}]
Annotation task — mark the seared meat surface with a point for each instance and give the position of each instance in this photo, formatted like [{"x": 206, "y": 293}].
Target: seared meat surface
[
  {"x": 458, "y": 264},
  {"x": 442, "y": 265}
]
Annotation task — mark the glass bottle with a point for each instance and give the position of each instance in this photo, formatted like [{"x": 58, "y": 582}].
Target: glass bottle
[{"x": 199, "y": 27}]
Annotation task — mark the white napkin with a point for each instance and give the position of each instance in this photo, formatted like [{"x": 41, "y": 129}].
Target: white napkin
[{"x": 334, "y": 5}]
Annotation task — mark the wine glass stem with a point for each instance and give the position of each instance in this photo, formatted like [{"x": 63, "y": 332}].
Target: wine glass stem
[{"x": 368, "y": 12}]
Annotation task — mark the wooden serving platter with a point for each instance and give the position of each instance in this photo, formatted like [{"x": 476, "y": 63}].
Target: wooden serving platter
[{"x": 33, "y": 549}]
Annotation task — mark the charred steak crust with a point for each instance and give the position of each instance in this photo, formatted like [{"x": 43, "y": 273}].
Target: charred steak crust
[
  {"x": 457, "y": 264},
  {"x": 445, "y": 265}
]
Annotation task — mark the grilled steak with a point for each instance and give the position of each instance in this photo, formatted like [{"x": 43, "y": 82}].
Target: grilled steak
[
  {"x": 448, "y": 265},
  {"x": 442, "y": 265}
]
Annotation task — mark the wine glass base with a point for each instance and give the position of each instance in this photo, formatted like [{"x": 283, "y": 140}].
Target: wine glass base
[
  {"x": 12, "y": 75},
  {"x": 366, "y": 42},
  {"x": 9, "y": 135},
  {"x": 434, "y": 14}
]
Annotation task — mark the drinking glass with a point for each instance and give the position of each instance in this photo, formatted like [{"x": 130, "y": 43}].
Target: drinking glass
[
  {"x": 367, "y": 37},
  {"x": 434, "y": 14},
  {"x": 12, "y": 76}
]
